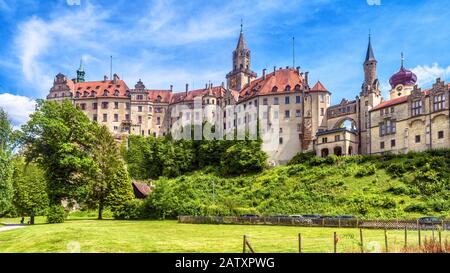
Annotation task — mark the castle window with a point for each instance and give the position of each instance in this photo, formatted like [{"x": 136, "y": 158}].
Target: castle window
[
  {"x": 321, "y": 98},
  {"x": 127, "y": 93},
  {"x": 337, "y": 138},
  {"x": 265, "y": 101},
  {"x": 416, "y": 108},
  {"x": 288, "y": 88},
  {"x": 274, "y": 89},
  {"x": 127, "y": 105},
  {"x": 438, "y": 102},
  {"x": 104, "y": 105},
  {"x": 139, "y": 97},
  {"x": 116, "y": 93},
  {"x": 105, "y": 93},
  {"x": 158, "y": 99},
  {"x": 116, "y": 117},
  {"x": 94, "y": 117},
  {"x": 275, "y": 101},
  {"x": 105, "y": 117},
  {"x": 86, "y": 93},
  {"x": 392, "y": 109},
  {"x": 324, "y": 140},
  {"x": 140, "y": 120},
  {"x": 139, "y": 108},
  {"x": 77, "y": 95},
  {"x": 298, "y": 113},
  {"x": 392, "y": 143},
  {"x": 298, "y": 99},
  {"x": 93, "y": 94},
  {"x": 382, "y": 145},
  {"x": 281, "y": 140},
  {"x": 299, "y": 127},
  {"x": 116, "y": 105},
  {"x": 127, "y": 117},
  {"x": 440, "y": 134},
  {"x": 297, "y": 87},
  {"x": 94, "y": 105},
  {"x": 83, "y": 106},
  {"x": 287, "y": 114},
  {"x": 418, "y": 139},
  {"x": 286, "y": 100},
  {"x": 322, "y": 111}
]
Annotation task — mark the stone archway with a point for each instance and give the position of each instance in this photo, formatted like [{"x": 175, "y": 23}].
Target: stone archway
[
  {"x": 337, "y": 150},
  {"x": 325, "y": 152},
  {"x": 350, "y": 150},
  {"x": 346, "y": 122}
]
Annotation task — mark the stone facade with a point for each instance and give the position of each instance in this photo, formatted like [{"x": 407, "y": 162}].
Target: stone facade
[{"x": 293, "y": 117}]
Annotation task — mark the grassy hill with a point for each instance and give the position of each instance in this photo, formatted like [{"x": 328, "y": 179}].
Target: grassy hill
[{"x": 388, "y": 186}]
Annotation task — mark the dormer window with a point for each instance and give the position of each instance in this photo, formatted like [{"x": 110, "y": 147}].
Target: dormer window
[
  {"x": 86, "y": 93},
  {"x": 97, "y": 87},
  {"x": 116, "y": 93},
  {"x": 77, "y": 95},
  {"x": 275, "y": 89},
  {"x": 297, "y": 87},
  {"x": 158, "y": 98},
  {"x": 105, "y": 93},
  {"x": 288, "y": 88},
  {"x": 127, "y": 93},
  {"x": 93, "y": 94}
]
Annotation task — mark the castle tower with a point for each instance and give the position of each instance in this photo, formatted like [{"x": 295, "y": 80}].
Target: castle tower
[
  {"x": 402, "y": 82},
  {"x": 80, "y": 72},
  {"x": 370, "y": 97},
  {"x": 241, "y": 74}
]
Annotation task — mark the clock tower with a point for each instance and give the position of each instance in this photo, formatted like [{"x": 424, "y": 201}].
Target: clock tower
[{"x": 241, "y": 74}]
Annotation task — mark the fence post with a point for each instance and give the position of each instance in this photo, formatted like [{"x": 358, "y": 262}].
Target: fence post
[
  {"x": 440, "y": 241},
  {"x": 245, "y": 244},
  {"x": 362, "y": 242},
  {"x": 339, "y": 221},
  {"x": 386, "y": 240},
  {"x": 299, "y": 243},
  {"x": 420, "y": 238},
  {"x": 335, "y": 242},
  {"x": 406, "y": 238}
]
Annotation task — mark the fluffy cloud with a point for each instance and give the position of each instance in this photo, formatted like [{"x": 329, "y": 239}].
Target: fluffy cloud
[
  {"x": 17, "y": 107},
  {"x": 427, "y": 75}
]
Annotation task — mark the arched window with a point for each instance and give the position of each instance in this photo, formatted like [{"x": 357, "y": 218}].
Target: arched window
[
  {"x": 297, "y": 87},
  {"x": 288, "y": 88},
  {"x": 324, "y": 152},
  {"x": 105, "y": 93},
  {"x": 274, "y": 89},
  {"x": 158, "y": 98},
  {"x": 116, "y": 93},
  {"x": 338, "y": 151},
  {"x": 127, "y": 93},
  {"x": 86, "y": 93}
]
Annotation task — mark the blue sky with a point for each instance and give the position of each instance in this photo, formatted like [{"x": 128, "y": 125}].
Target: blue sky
[{"x": 176, "y": 42}]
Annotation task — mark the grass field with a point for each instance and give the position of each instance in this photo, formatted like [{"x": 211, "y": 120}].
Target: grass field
[{"x": 89, "y": 235}]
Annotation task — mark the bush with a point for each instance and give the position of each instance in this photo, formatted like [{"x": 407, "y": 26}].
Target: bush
[
  {"x": 398, "y": 190},
  {"x": 55, "y": 214},
  {"x": 396, "y": 169},
  {"x": 416, "y": 207},
  {"x": 366, "y": 171},
  {"x": 131, "y": 210},
  {"x": 301, "y": 158}
]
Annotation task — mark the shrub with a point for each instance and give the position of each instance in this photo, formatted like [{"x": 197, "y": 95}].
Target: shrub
[
  {"x": 55, "y": 214},
  {"x": 396, "y": 169},
  {"x": 366, "y": 171},
  {"x": 131, "y": 210},
  {"x": 398, "y": 190},
  {"x": 301, "y": 158},
  {"x": 416, "y": 207}
]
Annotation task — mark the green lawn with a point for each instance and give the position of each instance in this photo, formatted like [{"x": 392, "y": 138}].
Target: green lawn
[{"x": 170, "y": 236}]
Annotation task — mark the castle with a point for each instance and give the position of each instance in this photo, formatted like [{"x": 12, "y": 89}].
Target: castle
[{"x": 410, "y": 120}]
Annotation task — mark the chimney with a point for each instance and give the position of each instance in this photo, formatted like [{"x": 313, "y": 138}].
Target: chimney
[
  {"x": 105, "y": 78},
  {"x": 187, "y": 88},
  {"x": 171, "y": 88},
  {"x": 306, "y": 77},
  {"x": 223, "y": 85},
  {"x": 115, "y": 78},
  {"x": 274, "y": 69},
  {"x": 264, "y": 74},
  {"x": 206, "y": 86}
]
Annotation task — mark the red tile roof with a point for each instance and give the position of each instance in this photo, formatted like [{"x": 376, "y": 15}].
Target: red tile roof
[
  {"x": 215, "y": 91},
  {"x": 100, "y": 87},
  {"x": 319, "y": 87},
  {"x": 279, "y": 79}
]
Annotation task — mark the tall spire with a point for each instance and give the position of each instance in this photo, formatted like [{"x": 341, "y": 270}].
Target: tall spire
[
  {"x": 369, "y": 55},
  {"x": 403, "y": 61},
  {"x": 80, "y": 72},
  {"x": 241, "y": 42}
]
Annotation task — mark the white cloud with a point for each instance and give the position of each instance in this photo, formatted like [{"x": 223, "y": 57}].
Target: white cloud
[
  {"x": 17, "y": 107},
  {"x": 427, "y": 75}
]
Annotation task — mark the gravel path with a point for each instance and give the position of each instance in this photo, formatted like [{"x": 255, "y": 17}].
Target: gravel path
[{"x": 10, "y": 227}]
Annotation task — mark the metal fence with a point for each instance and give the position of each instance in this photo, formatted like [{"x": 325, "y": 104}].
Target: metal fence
[{"x": 324, "y": 222}]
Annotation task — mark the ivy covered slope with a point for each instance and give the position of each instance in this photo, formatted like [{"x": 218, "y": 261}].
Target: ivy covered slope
[{"x": 406, "y": 186}]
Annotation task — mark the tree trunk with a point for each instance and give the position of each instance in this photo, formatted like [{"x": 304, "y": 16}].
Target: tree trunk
[{"x": 100, "y": 211}]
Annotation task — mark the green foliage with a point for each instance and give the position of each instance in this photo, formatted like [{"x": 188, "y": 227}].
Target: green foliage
[
  {"x": 60, "y": 138},
  {"x": 55, "y": 214},
  {"x": 30, "y": 196},
  {"x": 130, "y": 210},
  {"x": 151, "y": 158},
  {"x": 110, "y": 187},
  {"x": 364, "y": 186},
  {"x": 7, "y": 143},
  {"x": 301, "y": 158}
]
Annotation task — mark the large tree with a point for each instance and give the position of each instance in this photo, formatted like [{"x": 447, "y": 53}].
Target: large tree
[
  {"x": 110, "y": 185},
  {"x": 61, "y": 139},
  {"x": 7, "y": 144},
  {"x": 30, "y": 195}
]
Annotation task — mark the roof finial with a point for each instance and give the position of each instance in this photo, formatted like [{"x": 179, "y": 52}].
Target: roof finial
[
  {"x": 81, "y": 64},
  {"x": 241, "y": 25},
  {"x": 370, "y": 34},
  {"x": 403, "y": 60}
]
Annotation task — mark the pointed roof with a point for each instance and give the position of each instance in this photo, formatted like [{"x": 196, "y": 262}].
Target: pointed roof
[
  {"x": 241, "y": 42},
  {"x": 81, "y": 65},
  {"x": 319, "y": 87},
  {"x": 369, "y": 55}
]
